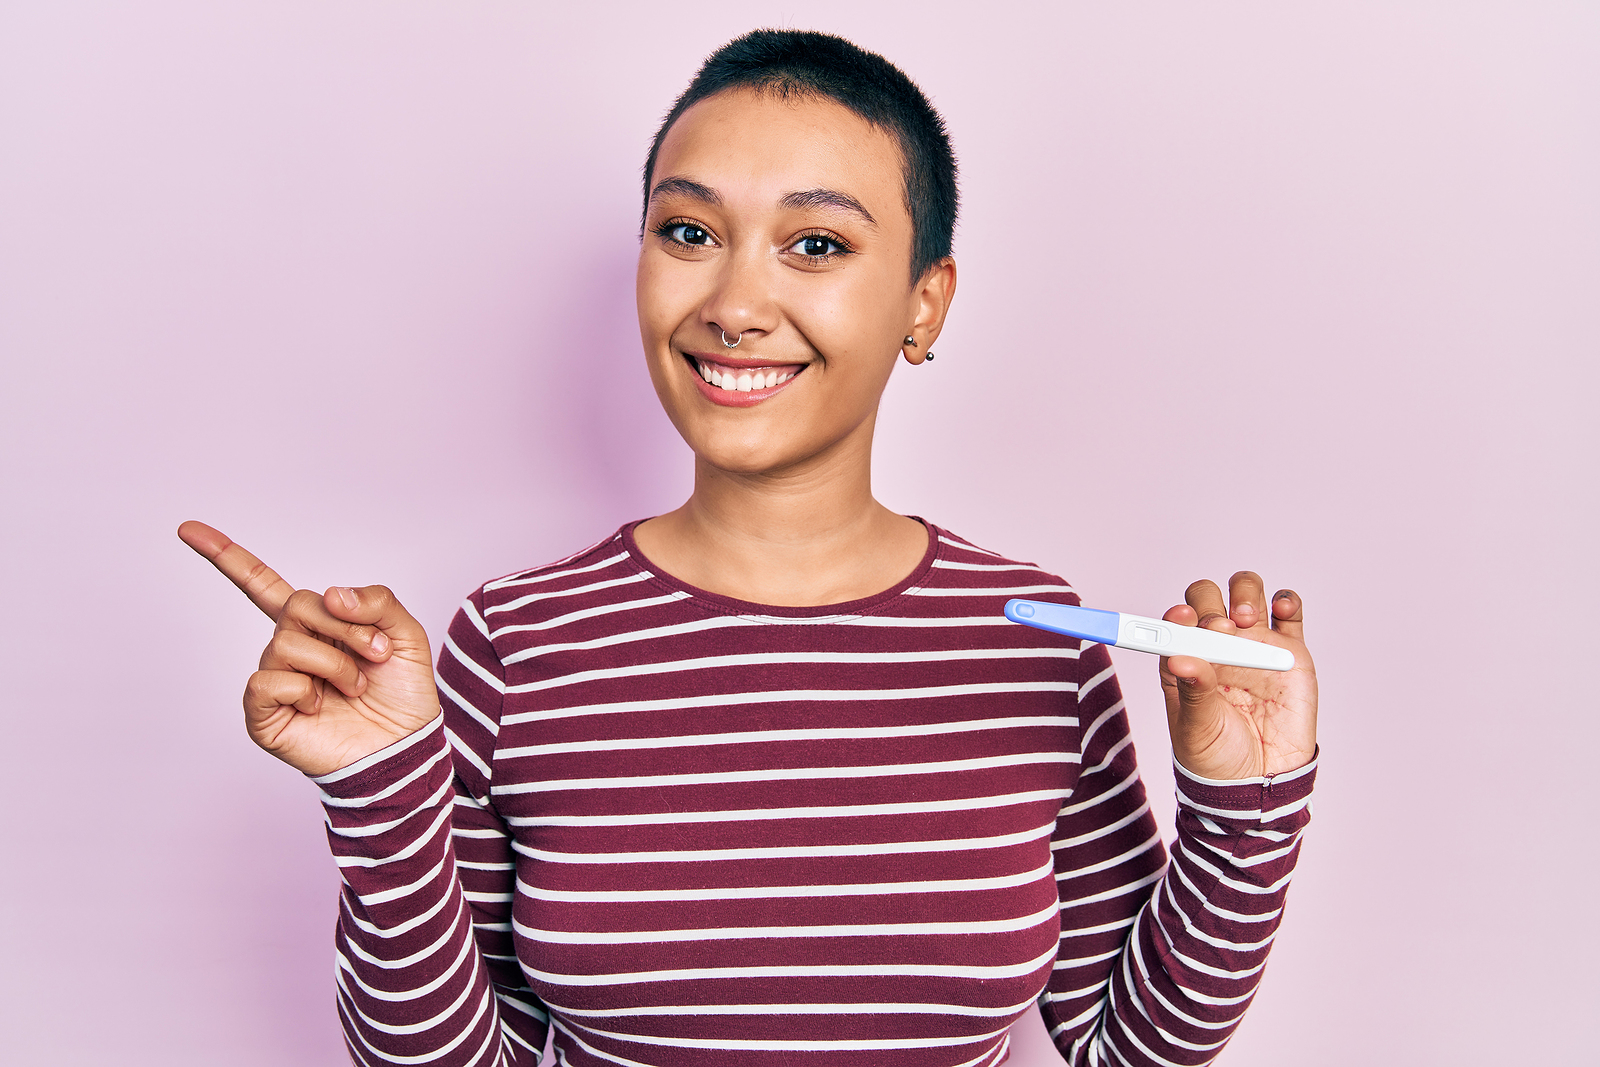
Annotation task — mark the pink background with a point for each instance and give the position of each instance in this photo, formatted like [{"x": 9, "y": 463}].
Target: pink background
[{"x": 1307, "y": 288}]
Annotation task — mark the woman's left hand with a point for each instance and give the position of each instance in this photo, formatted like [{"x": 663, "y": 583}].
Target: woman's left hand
[{"x": 1233, "y": 722}]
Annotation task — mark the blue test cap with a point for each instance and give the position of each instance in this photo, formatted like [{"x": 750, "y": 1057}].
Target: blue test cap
[{"x": 1089, "y": 624}]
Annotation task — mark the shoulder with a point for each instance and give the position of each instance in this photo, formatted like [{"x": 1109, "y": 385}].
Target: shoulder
[
  {"x": 967, "y": 586},
  {"x": 604, "y": 565},
  {"x": 495, "y": 625},
  {"x": 960, "y": 565},
  {"x": 588, "y": 595}
]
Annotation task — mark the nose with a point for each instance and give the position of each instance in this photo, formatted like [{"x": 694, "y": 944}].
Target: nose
[{"x": 740, "y": 307}]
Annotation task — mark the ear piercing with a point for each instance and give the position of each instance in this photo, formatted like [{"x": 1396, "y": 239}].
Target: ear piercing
[
  {"x": 911, "y": 341},
  {"x": 733, "y": 343}
]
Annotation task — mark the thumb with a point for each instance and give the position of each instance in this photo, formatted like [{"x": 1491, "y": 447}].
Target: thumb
[
  {"x": 1195, "y": 714},
  {"x": 1187, "y": 682},
  {"x": 376, "y": 605},
  {"x": 1194, "y": 682}
]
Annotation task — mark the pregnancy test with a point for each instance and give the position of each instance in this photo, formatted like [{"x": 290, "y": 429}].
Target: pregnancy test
[{"x": 1149, "y": 635}]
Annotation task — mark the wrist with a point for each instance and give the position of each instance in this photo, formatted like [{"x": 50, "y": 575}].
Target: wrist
[
  {"x": 1252, "y": 801},
  {"x": 395, "y": 760}
]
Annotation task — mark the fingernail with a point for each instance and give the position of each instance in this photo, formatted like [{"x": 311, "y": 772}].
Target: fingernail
[
  {"x": 361, "y": 680},
  {"x": 347, "y": 597},
  {"x": 380, "y": 643}
]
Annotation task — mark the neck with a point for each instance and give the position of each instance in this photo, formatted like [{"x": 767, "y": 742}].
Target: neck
[{"x": 803, "y": 536}]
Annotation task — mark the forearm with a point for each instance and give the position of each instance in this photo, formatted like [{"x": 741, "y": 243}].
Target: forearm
[
  {"x": 1199, "y": 947},
  {"x": 1158, "y": 960},
  {"x": 413, "y": 986}
]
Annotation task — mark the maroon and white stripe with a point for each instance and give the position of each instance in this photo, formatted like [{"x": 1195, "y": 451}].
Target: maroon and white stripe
[{"x": 684, "y": 829}]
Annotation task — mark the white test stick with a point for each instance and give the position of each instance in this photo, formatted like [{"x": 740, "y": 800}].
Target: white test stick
[{"x": 1155, "y": 636}]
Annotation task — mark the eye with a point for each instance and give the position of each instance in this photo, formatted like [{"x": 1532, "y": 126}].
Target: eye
[
  {"x": 817, "y": 246},
  {"x": 688, "y": 233}
]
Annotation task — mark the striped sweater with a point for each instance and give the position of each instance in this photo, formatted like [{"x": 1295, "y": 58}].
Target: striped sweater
[{"x": 688, "y": 830}]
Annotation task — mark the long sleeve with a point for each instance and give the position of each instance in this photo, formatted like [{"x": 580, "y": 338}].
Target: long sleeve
[
  {"x": 1158, "y": 967},
  {"x": 426, "y": 970},
  {"x": 710, "y": 827}
]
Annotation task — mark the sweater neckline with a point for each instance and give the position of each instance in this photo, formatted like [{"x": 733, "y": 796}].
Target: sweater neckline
[{"x": 734, "y": 606}]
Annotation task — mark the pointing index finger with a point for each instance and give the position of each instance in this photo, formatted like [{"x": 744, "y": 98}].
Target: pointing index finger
[{"x": 258, "y": 581}]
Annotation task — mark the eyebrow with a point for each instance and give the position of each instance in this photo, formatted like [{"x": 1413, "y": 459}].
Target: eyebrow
[
  {"x": 829, "y": 198},
  {"x": 686, "y": 187},
  {"x": 808, "y": 198}
]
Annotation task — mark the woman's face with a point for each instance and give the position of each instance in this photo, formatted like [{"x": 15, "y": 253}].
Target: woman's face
[{"x": 783, "y": 224}]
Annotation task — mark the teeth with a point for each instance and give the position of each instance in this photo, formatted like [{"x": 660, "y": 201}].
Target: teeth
[{"x": 743, "y": 381}]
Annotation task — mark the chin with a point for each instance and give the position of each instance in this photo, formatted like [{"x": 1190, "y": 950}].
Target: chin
[
  {"x": 744, "y": 450},
  {"x": 743, "y": 461}
]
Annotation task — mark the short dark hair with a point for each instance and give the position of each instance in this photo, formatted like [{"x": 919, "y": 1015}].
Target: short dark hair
[{"x": 819, "y": 64}]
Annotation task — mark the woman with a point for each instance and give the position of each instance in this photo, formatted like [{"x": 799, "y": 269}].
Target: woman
[{"x": 769, "y": 778}]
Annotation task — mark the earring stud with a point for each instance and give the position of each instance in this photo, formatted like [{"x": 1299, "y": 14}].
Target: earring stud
[{"x": 912, "y": 341}]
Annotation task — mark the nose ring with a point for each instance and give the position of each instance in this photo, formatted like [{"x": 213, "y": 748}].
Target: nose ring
[{"x": 733, "y": 343}]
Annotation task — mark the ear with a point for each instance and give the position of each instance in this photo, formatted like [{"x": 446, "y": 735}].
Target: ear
[{"x": 930, "y": 302}]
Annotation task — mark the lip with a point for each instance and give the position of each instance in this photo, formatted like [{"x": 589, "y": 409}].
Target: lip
[{"x": 732, "y": 398}]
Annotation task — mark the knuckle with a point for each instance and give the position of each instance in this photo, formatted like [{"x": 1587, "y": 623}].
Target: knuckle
[
  {"x": 256, "y": 576},
  {"x": 298, "y": 607},
  {"x": 302, "y": 599}
]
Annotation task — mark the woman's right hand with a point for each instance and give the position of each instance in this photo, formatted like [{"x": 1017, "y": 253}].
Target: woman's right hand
[{"x": 346, "y": 673}]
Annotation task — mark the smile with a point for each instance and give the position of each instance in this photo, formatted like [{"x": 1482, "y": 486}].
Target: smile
[{"x": 743, "y": 384}]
